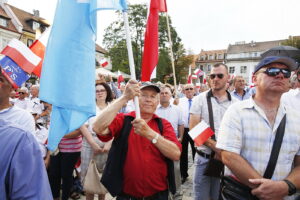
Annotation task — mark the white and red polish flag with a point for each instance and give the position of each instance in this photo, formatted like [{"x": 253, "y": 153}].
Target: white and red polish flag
[
  {"x": 103, "y": 62},
  {"x": 21, "y": 55},
  {"x": 120, "y": 79},
  {"x": 201, "y": 133},
  {"x": 190, "y": 75},
  {"x": 39, "y": 48},
  {"x": 199, "y": 72}
]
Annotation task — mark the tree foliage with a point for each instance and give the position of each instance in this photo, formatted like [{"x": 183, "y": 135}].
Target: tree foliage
[{"x": 115, "y": 43}]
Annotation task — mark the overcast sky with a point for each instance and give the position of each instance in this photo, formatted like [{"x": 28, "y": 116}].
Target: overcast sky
[{"x": 209, "y": 24}]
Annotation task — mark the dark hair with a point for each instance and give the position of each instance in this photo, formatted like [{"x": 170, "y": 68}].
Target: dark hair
[
  {"x": 109, "y": 96},
  {"x": 220, "y": 64}
]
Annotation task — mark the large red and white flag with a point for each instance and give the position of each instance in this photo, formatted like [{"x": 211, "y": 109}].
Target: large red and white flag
[
  {"x": 150, "y": 55},
  {"x": 39, "y": 48},
  {"x": 21, "y": 55},
  {"x": 198, "y": 72},
  {"x": 201, "y": 133}
]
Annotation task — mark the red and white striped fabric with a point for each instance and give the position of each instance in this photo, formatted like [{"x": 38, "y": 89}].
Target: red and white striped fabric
[
  {"x": 70, "y": 144},
  {"x": 199, "y": 72},
  {"x": 201, "y": 133},
  {"x": 21, "y": 55},
  {"x": 103, "y": 62},
  {"x": 39, "y": 48},
  {"x": 120, "y": 79}
]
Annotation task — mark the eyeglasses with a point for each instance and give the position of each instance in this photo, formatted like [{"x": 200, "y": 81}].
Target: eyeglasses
[
  {"x": 212, "y": 76},
  {"x": 98, "y": 91},
  {"x": 21, "y": 92},
  {"x": 275, "y": 71},
  {"x": 186, "y": 89}
]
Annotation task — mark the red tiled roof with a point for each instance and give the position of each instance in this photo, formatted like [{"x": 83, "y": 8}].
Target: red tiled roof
[{"x": 25, "y": 18}]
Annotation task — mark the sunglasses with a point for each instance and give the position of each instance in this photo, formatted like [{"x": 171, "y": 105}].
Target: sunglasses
[
  {"x": 212, "y": 76},
  {"x": 275, "y": 71},
  {"x": 21, "y": 92},
  {"x": 186, "y": 89},
  {"x": 98, "y": 91}
]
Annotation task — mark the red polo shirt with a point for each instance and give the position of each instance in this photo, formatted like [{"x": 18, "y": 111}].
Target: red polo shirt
[{"x": 145, "y": 168}]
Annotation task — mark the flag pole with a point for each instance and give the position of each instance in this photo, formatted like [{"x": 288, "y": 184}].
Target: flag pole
[
  {"x": 171, "y": 54},
  {"x": 131, "y": 62}
]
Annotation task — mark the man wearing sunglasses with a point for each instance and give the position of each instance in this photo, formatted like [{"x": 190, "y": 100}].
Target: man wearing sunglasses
[
  {"x": 205, "y": 186},
  {"x": 22, "y": 101},
  {"x": 249, "y": 128}
]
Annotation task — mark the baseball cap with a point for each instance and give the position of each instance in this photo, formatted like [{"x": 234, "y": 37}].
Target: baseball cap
[
  {"x": 289, "y": 62},
  {"x": 149, "y": 84}
]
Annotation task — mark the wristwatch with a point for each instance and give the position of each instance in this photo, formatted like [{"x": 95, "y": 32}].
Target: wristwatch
[
  {"x": 292, "y": 187},
  {"x": 154, "y": 140}
]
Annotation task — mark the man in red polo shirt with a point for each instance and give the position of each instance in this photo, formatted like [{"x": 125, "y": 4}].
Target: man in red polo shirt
[{"x": 145, "y": 168}]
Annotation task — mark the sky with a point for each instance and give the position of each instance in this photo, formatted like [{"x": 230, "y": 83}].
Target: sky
[{"x": 208, "y": 24}]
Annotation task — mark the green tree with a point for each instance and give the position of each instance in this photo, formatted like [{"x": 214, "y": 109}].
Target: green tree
[{"x": 114, "y": 41}]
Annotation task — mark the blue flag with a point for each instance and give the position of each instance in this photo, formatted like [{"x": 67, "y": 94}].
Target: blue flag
[{"x": 68, "y": 73}]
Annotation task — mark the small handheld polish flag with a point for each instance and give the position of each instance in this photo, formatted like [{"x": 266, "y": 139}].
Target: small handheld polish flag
[{"x": 201, "y": 133}]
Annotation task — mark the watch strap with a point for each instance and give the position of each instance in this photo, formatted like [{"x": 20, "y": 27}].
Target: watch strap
[{"x": 292, "y": 187}]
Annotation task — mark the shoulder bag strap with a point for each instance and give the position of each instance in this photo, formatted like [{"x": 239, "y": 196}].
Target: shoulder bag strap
[
  {"x": 210, "y": 113},
  {"x": 275, "y": 149}
]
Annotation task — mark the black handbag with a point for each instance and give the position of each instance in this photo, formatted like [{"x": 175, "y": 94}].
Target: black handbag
[
  {"x": 232, "y": 189},
  {"x": 215, "y": 168}
]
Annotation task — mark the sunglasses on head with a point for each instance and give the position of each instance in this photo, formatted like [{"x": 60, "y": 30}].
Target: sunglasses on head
[
  {"x": 189, "y": 89},
  {"x": 275, "y": 71},
  {"x": 212, "y": 76}
]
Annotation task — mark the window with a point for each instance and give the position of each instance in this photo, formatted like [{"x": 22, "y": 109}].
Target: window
[
  {"x": 202, "y": 58},
  {"x": 208, "y": 68},
  {"x": 231, "y": 70},
  {"x": 243, "y": 69},
  {"x": 220, "y": 56},
  {"x": 29, "y": 42},
  {"x": 35, "y": 25},
  {"x": 211, "y": 57},
  {"x": 3, "y": 22}
]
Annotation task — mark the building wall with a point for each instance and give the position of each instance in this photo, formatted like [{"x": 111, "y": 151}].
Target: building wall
[
  {"x": 6, "y": 36},
  {"x": 240, "y": 66}
]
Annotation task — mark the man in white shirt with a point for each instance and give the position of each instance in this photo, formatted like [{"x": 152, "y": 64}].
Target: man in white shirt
[
  {"x": 35, "y": 104},
  {"x": 292, "y": 97},
  {"x": 206, "y": 186},
  {"x": 22, "y": 101},
  {"x": 249, "y": 129},
  {"x": 173, "y": 114},
  {"x": 12, "y": 113},
  {"x": 185, "y": 104}
]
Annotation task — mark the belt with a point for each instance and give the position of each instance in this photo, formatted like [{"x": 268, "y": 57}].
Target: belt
[
  {"x": 204, "y": 155},
  {"x": 152, "y": 197}
]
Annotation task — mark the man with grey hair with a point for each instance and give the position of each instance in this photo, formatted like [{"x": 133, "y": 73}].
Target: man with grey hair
[
  {"x": 210, "y": 107},
  {"x": 22, "y": 101},
  {"x": 252, "y": 130},
  {"x": 239, "y": 91}
]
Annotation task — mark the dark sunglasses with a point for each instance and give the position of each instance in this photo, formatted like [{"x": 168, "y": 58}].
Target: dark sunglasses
[
  {"x": 212, "y": 76},
  {"x": 21, "y": 92},
  {"x": 275, "y": 71},
  {"x": 189, "y": 89}
]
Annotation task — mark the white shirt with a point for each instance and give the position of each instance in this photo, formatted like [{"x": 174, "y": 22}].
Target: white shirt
[
  {"x": 292, "y": 98},
  {"x": 35, "y": 105},
  {"x": 173, "y": 114},
  {"x": 22, "y": 103},
  {"x": 20, "y": 117},
  {"x": 199, "y": 107},
  {"x": 247, "y": 131},
  {"x": 184, "y": 106}
]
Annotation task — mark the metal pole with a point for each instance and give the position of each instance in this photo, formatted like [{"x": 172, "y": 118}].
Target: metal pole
[
  {"x": 171, "y": 54},
  {"x": 131, "y": 62}
]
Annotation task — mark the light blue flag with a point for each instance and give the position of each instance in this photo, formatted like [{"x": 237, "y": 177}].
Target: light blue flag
[{"x": 68, "y": 73}]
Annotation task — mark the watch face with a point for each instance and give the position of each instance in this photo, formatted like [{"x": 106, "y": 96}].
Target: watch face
[{"x": 154, "y": 141}]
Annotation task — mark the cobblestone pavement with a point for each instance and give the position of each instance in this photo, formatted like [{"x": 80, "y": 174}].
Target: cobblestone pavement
[{"x": 187, "y": 187}]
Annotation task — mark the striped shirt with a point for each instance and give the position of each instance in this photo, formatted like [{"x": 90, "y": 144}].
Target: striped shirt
[
  {"x": 70, "y": 145},
  {"x": 246, "y": 131}
]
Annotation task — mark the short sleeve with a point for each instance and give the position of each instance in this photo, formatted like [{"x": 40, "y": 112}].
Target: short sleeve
[
  {"x": 197, "y": 104},
  {"x": 169, "y": 133},
  {"x": 230, "y": 133}
]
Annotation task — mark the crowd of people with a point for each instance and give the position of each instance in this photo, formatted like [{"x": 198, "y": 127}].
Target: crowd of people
[{"x": 253, "y": 154}]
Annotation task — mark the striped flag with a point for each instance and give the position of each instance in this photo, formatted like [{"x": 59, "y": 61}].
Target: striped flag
[
  {"x": 39, "y": 48},
  {"x": 201, "y": 133},
  {"x": 21, "y": 55},
  {"x": 103, "y": 62}
]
